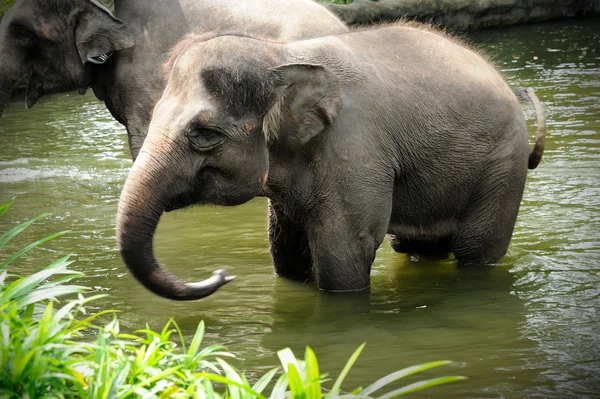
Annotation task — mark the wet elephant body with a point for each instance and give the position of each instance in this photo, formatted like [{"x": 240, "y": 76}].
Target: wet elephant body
[{"x": 395, "y": 130}]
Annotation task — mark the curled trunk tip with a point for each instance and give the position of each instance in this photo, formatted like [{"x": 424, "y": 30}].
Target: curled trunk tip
[
  {"x": 138, "y": 214},
  {"x": 144, "y": 267},
  {"x": 169, "y": 286}
]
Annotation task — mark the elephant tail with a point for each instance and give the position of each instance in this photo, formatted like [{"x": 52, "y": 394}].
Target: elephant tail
[{"x": 528, "y": 95}]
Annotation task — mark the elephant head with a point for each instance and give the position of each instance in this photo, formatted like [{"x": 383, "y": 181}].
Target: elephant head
[
  {"x": 227, "y": 100},
  {"x": 52, "y": 42}
]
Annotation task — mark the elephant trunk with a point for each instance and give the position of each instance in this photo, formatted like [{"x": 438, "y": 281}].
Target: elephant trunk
[
  {"x": 5, "y": 91},
  {"x": 139, "y": 211}
]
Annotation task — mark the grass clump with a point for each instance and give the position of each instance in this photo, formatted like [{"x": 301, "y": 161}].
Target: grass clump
[{"x": 49, "y": 350}]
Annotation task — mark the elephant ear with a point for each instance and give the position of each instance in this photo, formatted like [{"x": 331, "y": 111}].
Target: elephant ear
[
  {"x": 307, "y": 101},
  {"x": 98, "y": 33}
]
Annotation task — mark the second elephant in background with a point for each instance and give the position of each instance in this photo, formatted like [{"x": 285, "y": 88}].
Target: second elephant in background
[{"x": 396, "y": 130}]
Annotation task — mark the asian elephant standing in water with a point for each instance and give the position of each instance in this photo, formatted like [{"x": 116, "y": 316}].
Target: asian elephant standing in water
[
  {"x": 66, "y": 45},
  {"x": 396, "y": 130}
]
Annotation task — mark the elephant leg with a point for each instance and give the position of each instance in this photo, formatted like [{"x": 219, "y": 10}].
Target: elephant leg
[
  {"x": 484, "y": 234},
  {"x": 289, "y": 246},
  {"x": 433, "y": 247},
  {"x": 343, "y": 247}
]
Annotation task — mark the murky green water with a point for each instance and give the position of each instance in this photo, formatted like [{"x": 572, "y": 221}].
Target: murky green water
[{"x": 529, "y": 328}]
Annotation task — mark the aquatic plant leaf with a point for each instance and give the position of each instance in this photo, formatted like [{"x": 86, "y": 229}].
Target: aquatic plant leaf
[
  {"x": 25, "y": 285},
  {"x": 286, "y": 357},
  {"x": 5, "y": 207},
  {"x": 196, "y": 341},
  {"x": 280, "y": 387},
  {"x": 313, "y": 378},
  {"x": 15, "y": 231},
  {"x": 335, "y": 390},
  {"x": 295, "y": 382},
  {"x": 232, "y": 383},
  {"x": 388, "y": 379},
  {"x": 208, "y": 388},
  {"x": 151, "y": 380},
  {"x": 213, "y": 350},
  {"x": 44, "y": 294},
  {"x": 262, "y": 383},
  {"x": 169, "y": 392},
  {"x": 179, "y": 333},
  {"x": 32, "y": 246},
  {"x": 418, "y": 386},
  {"x": 232, "y": 375}
]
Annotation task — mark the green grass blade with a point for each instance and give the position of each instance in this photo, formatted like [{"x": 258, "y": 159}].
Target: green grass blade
[
  {"x": 91, "y": 318},
  {"x": 313, "y": 378},
  {"x": 214, "y": 350},
  {"x": 208, "y": 388},
  {"x": 286, "y": 357},
  {"x": 179, "y": 333},
  {"x": 66, "y": 310},
  {"x": 44, "y": 323},
  {"x": 151, "y": 380},
  {"x": 280, "y": 388},
  {"x": 196, "y": 341},
  {"x": 119, "y": 379},
  {"x": 231, "y": 374},
  {"x": 338, "y": 383},
  {"x": 15, "y": 231},
  {"x": 5, "y": 207},
  {"x": 32, "y": 246},
  {"x": 49, "y": 294},
  {"x": 295, "y": 382},
  {"x": 418, "y": 386},
  {"x": 25, "y": 285},
  {"x": 382, "y": 382},
  {"x": 262, "y": 383},
  {"x": 65, "y": 279},
  {"x": 22, "y": 362},
  {"x": 229, "y": 383}
]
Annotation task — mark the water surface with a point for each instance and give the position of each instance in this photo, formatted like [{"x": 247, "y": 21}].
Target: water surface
[{"x": 526, "y": 328}]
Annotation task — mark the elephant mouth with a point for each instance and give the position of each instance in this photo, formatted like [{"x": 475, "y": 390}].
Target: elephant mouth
[
  {"x": 180, "y": 202},
  {"x": 196, "y": 195}
]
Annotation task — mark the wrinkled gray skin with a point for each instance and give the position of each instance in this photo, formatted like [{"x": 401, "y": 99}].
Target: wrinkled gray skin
[
  {"x": 392, "y": 130},
  {"x": 52, "y": 40}
]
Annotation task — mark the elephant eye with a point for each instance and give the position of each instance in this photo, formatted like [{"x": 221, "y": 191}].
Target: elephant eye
[
  {"x": 23, "y": 35},
  {"x": 204, "y": 139}
]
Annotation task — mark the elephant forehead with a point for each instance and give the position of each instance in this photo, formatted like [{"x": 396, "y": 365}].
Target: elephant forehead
[
  {"x": 176, "y": 113},
  {"x": 184, "y": 77},
  {"x": 186, "y": 90},
  {"x": 186, "y": 63}
]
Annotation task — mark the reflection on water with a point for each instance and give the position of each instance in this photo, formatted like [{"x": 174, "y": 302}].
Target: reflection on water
[{"x": 526, "y": 328}]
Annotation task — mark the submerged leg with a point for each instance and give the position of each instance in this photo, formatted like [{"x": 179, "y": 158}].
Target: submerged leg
[
  {"x": 343, "y": 244},
  {"x": 289, "y": 246},
  {"x": 484, "y": 234}
]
